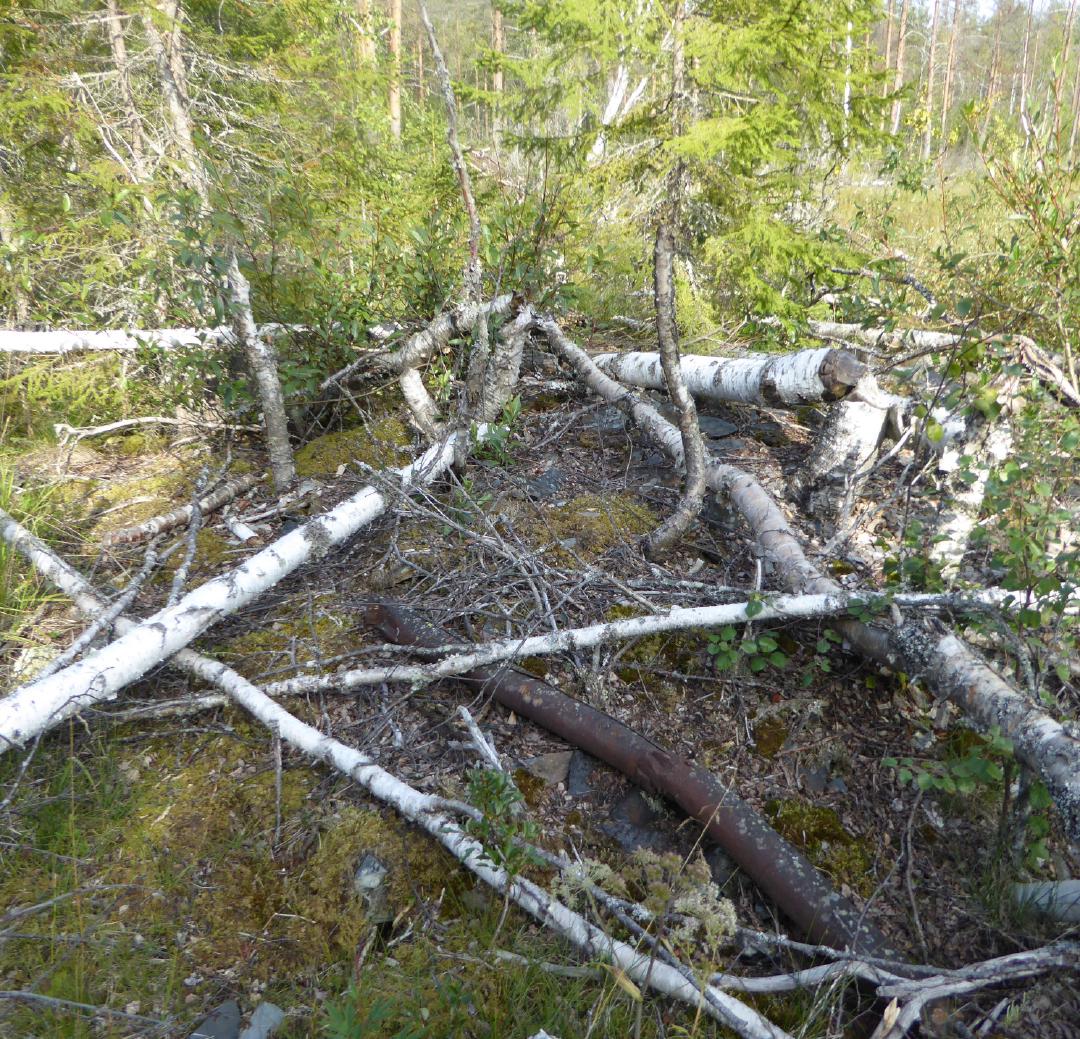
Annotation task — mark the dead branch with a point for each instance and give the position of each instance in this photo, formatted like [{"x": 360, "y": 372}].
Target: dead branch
[
  {"x": 931, "y": 653},
  {"x": 781, "y": 871},
  {"x": 39, "y": 706},
  {"x": 178, "y": 517},
  {"x": 659, "y": 542}
]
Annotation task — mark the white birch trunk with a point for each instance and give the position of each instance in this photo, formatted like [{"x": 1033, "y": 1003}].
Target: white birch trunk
[
  {"x": 38, "y": 706},
  {"x": 769, "y": 380},
  {"x": 949, "y": 668},
  {"x": 842, "y": 458},
  {"x": 262, "y": 362},
  {"x": 421, "y": 809},
  {"x": 70, "y": 341},
  {"x": 1033, "y": 357},
  {"x": 776, "y": 607},
  {"x": 987, "y": 449}
]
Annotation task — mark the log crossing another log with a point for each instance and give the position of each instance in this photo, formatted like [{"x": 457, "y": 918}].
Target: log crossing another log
[
  {"x": 783, "y": 873},
  {"x": 928, "y": 651},
  {"x": 39, "y": 706}
]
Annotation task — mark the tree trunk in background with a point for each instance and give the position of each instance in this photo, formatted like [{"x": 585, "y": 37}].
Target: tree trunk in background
[
  {"x": 995, "y": 69},
  {"x": 1075, "y": 112},
  {"x": 7, "y": 239},
  {"x": 136, "y": 138},
  {"x": 1024, "y": 69},
  {"x": 888, "y": 56},
  {"x": 928, "y": 132},
  {"x": 498, "y": 44},
  {"x": 950, "y": 65},
  {"x": 365, "y": 40},
  {"x": 395, "y": 68},
  {"x": 262, "y": 362},
  {"x": 847, "y": 80},
  {"x": 898, "y": 79},
  {"x": 1059, "y": 81},
  {"x": 173, "y": 76}
]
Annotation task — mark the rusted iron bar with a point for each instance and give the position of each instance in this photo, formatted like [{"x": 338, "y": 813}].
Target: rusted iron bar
[{"x": 782, "y": 872}]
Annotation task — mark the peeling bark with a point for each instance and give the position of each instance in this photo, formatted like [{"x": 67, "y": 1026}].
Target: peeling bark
[
  {"x": 178, "y": 517},
  {"x": 504, "y": 366}
]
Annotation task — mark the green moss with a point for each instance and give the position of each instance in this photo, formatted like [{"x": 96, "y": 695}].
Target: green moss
[
  {"x": 639, "y": 663},
  {"x": 820, "y": 834},
  {"x": 769, "y": 736},
  {"x": 162, "y": 483},
  {"x": 306, "y": 632},
  {"x": 590, "y": 525},
  {"x": 379, "y": 444}
]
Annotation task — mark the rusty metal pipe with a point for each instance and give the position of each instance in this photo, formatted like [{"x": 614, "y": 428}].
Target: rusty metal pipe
[{"x": 780, "y": 870}]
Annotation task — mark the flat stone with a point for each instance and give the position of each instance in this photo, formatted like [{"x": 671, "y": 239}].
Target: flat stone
[
  {"x": 630, "y": 824},
  {"x": 579, "y": 774},
  {"x": 607, "y": 419},
  {"x": 264, "y": 1022},
  {"x": 728, "y": 446},
  {"x": 716, "y": 428},
  {"x": 222, "y": 1023},
  {"x": 815, "y": 780},
  {"x": 546, "y": 485},
  {"x": 552, "y": 768}
]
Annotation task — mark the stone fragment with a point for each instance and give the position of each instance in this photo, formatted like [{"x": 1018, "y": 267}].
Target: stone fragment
[
  {"x": 552, "y": 768},
  {"x": 264, "y": 1022},
  {"x": 221, "y": 1023}
]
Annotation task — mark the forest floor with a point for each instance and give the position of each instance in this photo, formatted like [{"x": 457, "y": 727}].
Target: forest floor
[{"x": 183, "y": 866}]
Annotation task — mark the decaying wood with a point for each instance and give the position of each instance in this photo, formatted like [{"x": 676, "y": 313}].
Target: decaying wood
[
  {"x": 928, "y": 651},
  {"x": 1030, "y": 354},
  {"x": 178, "y": 517},
  {"x": 457, "y": 158},
  {"x": 39, "y": 706},
  {"x": 503, "y": 366},
  {"x": 262, "y": 363},
  {"x": 424, "y": 811},
  {"x": 417, "y": 350},
  {"x": 781, "y": 871}
]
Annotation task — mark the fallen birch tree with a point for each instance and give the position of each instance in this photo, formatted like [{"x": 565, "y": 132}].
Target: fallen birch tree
[
  {"x": 62, "y": 341},
  {"x": 774, "y": 607},
  {"x": 39, "y": 706},
  {"x": 769, "y": 380},
  {"x": 930, "y": 652},
  {"x": 424, "y": 810},
  {"x": 1031, "y": 355}
]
